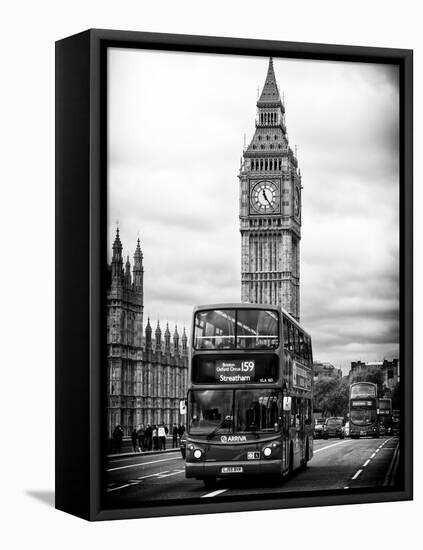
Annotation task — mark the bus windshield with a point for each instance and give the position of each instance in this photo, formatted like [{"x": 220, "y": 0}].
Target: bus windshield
[
  {"x": 362, "y": 417},
  {"x": 236, "y": 329},
  {"x": 363, "y": 390},
  {"x": 234, "y": 411}
]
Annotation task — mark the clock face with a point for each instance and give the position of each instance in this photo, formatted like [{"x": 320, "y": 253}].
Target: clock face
[
  {"x": 297, "y": 202},
  {"x": 265, "y": 197}
]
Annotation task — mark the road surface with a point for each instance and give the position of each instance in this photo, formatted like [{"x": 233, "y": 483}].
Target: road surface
[{"x": 337, "y": 464}]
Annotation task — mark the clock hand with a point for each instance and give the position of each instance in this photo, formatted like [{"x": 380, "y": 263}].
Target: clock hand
[{"x": 265, "y": 197}]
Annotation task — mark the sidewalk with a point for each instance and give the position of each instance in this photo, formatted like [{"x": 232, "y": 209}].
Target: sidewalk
[{"x": 127, "y": 449}]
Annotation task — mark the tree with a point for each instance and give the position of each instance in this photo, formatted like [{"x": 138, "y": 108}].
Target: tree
[{"x": 331, "y": 396}]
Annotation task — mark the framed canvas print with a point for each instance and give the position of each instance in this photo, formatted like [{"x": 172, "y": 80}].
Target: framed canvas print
[{"x": 234, "y": 274}]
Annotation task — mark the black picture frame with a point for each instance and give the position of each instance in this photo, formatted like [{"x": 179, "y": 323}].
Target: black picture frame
[{"x": 81, "y": 201}]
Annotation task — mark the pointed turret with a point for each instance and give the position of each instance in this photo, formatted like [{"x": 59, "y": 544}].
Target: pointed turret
[
  {"x": 176, "y": 341},
  {"x": 138, "y": 270},
  {"x": 127, "y": 272},
  {"x": 158, "y": 335},
  {"x": 148, "y": 332},
  {"x": 117, "y": 263},
  {"x": 167, "y": 338},
  {"x": 270, "y": 93},
  {"x": 184, "y": 341}
]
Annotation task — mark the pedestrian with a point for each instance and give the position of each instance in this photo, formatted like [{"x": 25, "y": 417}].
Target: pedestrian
[
  {"x": 175, "y": 436},
  {"x": 148, "y": 437},
  {"x": 161, "y": 432},
  {"x": 181, "y": 430},
  {"x": 141, "y": 437},
  {"x": 134, "y": 439},
  {"x": 117, "y": 438},
  {"x": 155, "y": 438}
]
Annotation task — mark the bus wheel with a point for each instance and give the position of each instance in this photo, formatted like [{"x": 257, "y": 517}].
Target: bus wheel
[
  {"x": 291, "y": 463},
  {"x": 305, "y": 460},
  {"x": 209, "y": 482}
]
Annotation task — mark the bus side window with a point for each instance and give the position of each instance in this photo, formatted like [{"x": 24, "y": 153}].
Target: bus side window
[
  {"x": 308, "y": 415},
  {"x": 285, "y": 334},
  {"x": 290, "y": 337},
  {"x": 300, "y": 411},
  {"x": 293, "y": 411},
  {"x": 301, "y": 345},
  {"x": 296, "y": 342}
]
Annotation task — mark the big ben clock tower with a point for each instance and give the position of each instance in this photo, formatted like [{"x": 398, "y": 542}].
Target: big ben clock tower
[{"x": 270, "y": 208}]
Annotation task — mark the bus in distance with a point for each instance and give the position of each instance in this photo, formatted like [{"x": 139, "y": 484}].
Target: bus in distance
[
  {"x": 363, "y": 410},
  {"x": 385, "y": 415},
  {"x": 249, "y": 402}
]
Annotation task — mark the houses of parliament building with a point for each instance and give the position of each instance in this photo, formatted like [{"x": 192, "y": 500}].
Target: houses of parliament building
[{"x": 146, "y": 372}]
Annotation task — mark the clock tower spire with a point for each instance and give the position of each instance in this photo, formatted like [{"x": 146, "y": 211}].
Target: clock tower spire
[{"x": 270, "y": 208}]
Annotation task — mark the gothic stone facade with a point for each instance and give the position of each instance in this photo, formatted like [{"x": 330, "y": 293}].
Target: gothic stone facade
[
  {"x": 270, "y": 208},
  {"x": 146, "y": 376},
  {"x": 389, "y": 369}
]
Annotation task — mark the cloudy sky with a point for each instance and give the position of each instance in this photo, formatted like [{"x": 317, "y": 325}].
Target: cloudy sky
[{"x": 176, "y": 130}]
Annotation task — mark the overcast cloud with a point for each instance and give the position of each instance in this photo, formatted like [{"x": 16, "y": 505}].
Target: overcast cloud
[{"x": 176, "y": 131}]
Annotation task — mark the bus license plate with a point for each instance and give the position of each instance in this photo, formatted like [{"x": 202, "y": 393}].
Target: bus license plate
[
  {"x": 362, "y": 432},
  {"x": 231, "y": 470}
]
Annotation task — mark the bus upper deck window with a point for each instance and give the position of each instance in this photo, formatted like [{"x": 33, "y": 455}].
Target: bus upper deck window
[
  {"x": 214, "y": 329},
  {"x": 257, "y": 329}
]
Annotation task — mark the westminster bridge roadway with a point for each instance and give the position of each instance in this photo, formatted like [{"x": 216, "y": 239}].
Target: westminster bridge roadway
[{"x": 337, "y": 464}]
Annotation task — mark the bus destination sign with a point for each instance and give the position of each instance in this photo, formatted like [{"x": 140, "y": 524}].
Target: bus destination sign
[
  {"x": 357, "y": 403},
  {"x": 235, "y": 370},
  {"x": 250, "y": 369}
]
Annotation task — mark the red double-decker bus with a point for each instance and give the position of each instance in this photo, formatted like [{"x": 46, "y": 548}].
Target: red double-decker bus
[
  {"x": 363, "y": 410},
  {"x": 250, "y": 393}
]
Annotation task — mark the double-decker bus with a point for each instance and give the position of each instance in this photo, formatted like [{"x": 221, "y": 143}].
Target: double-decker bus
[
  {"x": 385, "y": 415},
  {"x": 249, "y": 403},
  {"x": 363, "y": 410}
]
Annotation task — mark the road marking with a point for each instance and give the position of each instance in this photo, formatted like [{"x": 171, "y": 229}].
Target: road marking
[
  {"x": 377, "y": 450},
  {"x": 328, "y": 447},
  {"x": 373, "y": 455},
  {"x": 153, "y": 475},
  {"x": 172, "y": 474},
  {"x": 355, "y": 476},
  {"x": 136, "y": 481},
  {"x": 366, "y": 463},
  {"x": 117, "y": 488},
  {"x": 214, "y": 493},
  {"x": 346, "y": 487},
  {"x": 142, "y": 464}
]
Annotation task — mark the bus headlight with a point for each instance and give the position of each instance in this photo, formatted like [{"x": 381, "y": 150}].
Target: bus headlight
[
  {"x": 198, "y": 453},
  {"x": 267, "y": 451}
]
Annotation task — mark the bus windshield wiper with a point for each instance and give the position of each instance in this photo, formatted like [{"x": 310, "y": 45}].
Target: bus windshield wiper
[{"x": 214, "y": 431}]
